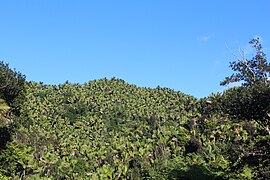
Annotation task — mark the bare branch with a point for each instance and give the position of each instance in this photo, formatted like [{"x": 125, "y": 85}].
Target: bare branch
[{"x": 231, "y": 51}]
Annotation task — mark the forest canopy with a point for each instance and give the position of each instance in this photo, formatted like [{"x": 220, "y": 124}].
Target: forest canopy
[{"x": 109, "y": 129}]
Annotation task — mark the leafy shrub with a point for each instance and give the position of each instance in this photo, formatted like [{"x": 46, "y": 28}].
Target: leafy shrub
[{"x": 11, "y": 83}]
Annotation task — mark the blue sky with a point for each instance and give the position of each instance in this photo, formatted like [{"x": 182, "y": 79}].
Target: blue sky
[{"x": 175, "y": 44}]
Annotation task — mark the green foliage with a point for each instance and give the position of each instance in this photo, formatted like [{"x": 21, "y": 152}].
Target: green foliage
[
  {"x": 11, "y": 97},
  {"x": 246, "y": 173},
  {"x": 102, "y": 129},
  {"x": 3, "y": 177},
  {"x": 108, "y": 129},
  {"x": 3, "y": 106},
  {"x": 3, "y": 109},
  {"x": 11, "y": 83},
  {"x": 249, "y": 103},
  {"x": 251, "y": 71}
]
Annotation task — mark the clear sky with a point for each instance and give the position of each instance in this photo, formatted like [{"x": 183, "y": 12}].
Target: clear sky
[{"x": 179, "y": 44}]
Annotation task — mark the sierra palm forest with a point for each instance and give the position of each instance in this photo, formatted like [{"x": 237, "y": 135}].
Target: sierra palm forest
[{"x": 109, "y": 129}]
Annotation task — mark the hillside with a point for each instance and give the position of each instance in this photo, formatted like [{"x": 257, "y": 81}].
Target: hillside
[
  {"x": 103, "y": 125},
  {"x": 108, "y": 129}
]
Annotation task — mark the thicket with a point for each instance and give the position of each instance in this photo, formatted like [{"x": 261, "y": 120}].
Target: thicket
[{"x": 109, "y": 129}]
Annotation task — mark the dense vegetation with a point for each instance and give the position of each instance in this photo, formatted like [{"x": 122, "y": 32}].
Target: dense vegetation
[{"x": 108, "y": 129}]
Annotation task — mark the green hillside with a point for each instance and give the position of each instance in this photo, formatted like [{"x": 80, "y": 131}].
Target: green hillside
[
  {"x": 103, "y": 128},
  {"x": 109, "y": 129}
]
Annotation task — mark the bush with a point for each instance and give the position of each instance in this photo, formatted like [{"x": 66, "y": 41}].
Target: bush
[{"x": 11, "y": 83}]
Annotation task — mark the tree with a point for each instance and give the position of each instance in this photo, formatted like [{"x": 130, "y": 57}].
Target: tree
[
  {"x": 11, "y": 84},
  {"x": 251, "y": 101},
  {"x": 250, "y": 71}
]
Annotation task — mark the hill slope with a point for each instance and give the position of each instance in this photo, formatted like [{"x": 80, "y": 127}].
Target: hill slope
[
  {"x": 102, "y": 125},
  {"x": 108, "y": 129}
]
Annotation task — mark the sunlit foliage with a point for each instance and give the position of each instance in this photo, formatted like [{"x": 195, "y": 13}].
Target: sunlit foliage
[{"x": 109, "y": 129}]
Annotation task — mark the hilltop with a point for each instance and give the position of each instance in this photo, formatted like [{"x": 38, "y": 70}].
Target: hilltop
[{"x": 109, "y": 129}]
